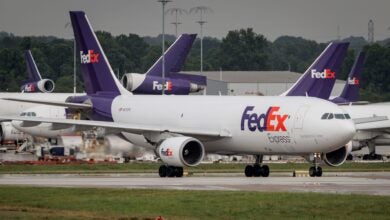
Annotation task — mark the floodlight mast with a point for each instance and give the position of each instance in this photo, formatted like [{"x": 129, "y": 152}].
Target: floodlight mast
[
  {"x": 176, "y": 12},
  {"x": 202, "y": 10},
  {"x": 163, "y": 2}
]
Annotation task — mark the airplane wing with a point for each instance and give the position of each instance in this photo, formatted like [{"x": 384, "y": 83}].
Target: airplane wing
[
  {"x": 61, "y": 104},
  {"x": 116, "y": 127},
  {"x": 372, "y": 123}
]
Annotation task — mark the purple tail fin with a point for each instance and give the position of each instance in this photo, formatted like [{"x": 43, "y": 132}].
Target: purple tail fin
[
  {"x": 320, "y": 77},
  {"x": 32, "y": 69},
  {"x": 97, "y": 73},
  {"x": 350, "y": 92},
  {"x": 174, "y": 56}
]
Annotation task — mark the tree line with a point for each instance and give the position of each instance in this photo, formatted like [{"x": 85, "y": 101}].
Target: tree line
[{"x": 239, "y": 50}]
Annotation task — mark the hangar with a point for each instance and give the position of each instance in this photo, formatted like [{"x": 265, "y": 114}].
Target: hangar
[{"x": 267, "y": 83}]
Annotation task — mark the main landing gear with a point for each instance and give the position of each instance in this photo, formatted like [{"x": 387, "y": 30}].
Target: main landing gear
[
  {"x": 257, "y": 170},
  {"x": 170, "y": 171},
  {"x": 316, "y": 170}
]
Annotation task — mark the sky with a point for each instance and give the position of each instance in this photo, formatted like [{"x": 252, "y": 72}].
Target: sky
[{"x": 312, "y": 19}]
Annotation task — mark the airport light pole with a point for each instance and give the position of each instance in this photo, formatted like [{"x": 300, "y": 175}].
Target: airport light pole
[
  {"x": 163, "y": 2},
  {"x": 201, "y": 10},
  {"x": 74, "y": 60},
  {"x": 176, "y": 11}
]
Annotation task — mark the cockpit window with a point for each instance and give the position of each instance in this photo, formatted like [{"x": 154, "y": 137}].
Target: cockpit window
[
  {"x": 23, "y": 114},
  {"x": 33, "y": 114},
  {"x": 347, "y": 116},
  {"x": 339, "y": 116},
  {"x": 325, "y": 116},
  {"x": 330, "y": 116}
]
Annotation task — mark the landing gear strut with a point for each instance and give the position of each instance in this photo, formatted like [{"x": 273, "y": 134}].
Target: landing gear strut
[
  {"x": 170, "y": 171},
  {"x": 316, "y": 170},
  {"x": 257, "y": 170}
]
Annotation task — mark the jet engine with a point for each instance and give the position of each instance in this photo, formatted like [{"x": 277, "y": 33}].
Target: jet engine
[
  {"x": 44, "y": 85},
  {"x": 337, "y": 157},
  {"x": 9, "y": 133},
  {"x": 181, "y": 151}
]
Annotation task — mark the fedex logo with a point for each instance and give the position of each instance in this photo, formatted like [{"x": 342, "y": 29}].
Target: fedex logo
[
  {"x": 353, "y": 81},
  {"x": 29, "y": 88},
  {"x": 327, "y": 74},
  {"x": 271, "y": 121},
  {"x": 168, "y": 152},
  {"x": 159, "y": 86},
  {"x": 89, "y": 57}
]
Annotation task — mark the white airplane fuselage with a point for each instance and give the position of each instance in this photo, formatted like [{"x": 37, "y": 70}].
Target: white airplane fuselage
[{"x": 294, "y": 123}]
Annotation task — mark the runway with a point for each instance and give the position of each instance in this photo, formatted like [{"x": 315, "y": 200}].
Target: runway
[{"x": 344, "y": 183}]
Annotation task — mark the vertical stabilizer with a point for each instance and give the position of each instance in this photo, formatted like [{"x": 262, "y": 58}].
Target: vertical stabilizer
[
  {"x": 350, "y": 92},
  {"x": 32, "y": 69},
  {"x": 175, "y": 56},
  {"x": 97, "y": 72},
  {"x": 320, "y": 77}
]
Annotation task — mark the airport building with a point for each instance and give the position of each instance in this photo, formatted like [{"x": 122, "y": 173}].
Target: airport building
[{"x": 267, "y": 83}]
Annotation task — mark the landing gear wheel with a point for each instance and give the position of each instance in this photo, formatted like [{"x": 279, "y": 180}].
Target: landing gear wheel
[
  {"x": 319, "y": 171},
  {"x": 312, "y": 171},
  {"x": 162, "y": 171},
  {"x": 170, "y": 171},
  {"x": 249, "y": 171},
  {"x": 265, "y": 170},
  {"x": 179, "y": 171},
  {"x": 257, "y": 171}
]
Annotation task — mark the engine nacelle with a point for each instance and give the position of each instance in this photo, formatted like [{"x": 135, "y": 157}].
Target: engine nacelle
[
  {"x": 44, "y": 85},
  {"x": 181, "y": 151},
  {"x": 144, "y": 84},
  {"x": 9, "y": 133},
  {"x": 338, "y": 157}
]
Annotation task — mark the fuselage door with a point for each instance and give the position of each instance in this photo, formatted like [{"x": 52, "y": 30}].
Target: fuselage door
[{"x": 300, "y": 116}]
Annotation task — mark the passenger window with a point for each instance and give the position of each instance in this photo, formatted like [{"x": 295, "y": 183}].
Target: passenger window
[
  {"x": 330, "y": 116},
  {"x": 347, "y": 116},
  {"x": 339, "y": 116},
  {"x": 325, "y": 116}
]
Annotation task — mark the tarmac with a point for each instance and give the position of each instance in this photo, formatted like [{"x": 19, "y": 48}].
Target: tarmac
[{"x": 371, "y": 183}]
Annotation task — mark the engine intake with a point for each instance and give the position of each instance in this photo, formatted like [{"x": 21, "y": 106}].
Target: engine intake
[
  {"x": 181, "y": 151},
  {"x": 46, "y": 85},
  {"x": 338, "y": 157}
]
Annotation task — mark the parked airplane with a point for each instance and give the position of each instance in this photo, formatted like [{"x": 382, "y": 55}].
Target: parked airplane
[
  {"x": 175, "y": 81},
  {"x": 182, "y": 128},
  {"x": 35, "y": 83}
]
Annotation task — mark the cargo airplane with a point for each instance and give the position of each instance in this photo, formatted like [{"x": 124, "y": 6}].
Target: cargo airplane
[{"x": 181, "y": 129}]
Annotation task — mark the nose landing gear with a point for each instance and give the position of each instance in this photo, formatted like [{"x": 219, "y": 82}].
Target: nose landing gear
[
  {"x": 316, "y": 170},
  {"x": 257, "y": 169}
]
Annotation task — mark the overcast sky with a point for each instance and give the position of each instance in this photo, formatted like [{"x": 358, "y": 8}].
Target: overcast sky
[{"x": 311, "y": 19}]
